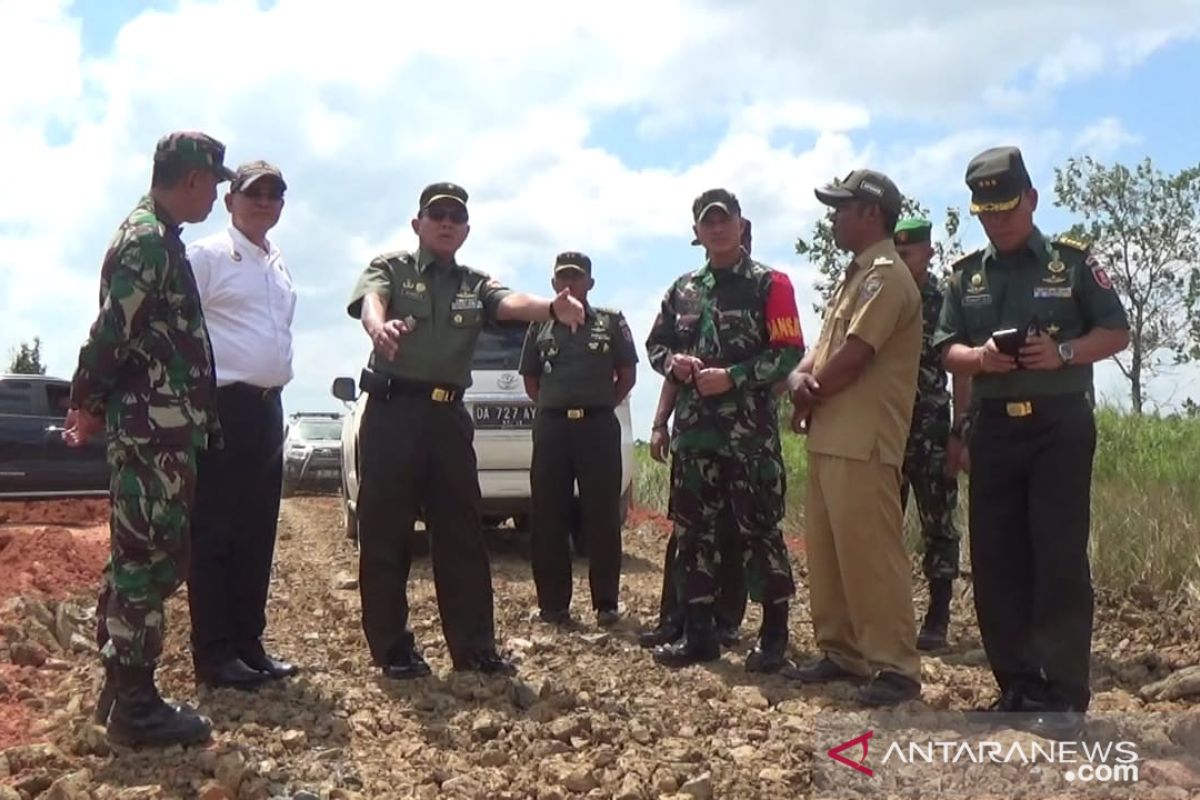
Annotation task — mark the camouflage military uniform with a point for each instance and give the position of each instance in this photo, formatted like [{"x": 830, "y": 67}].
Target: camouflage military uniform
[
  {"x": 147, "y": 369},
  {"x": 925, "y": 454},
  {"x": 726, "y": 448}
]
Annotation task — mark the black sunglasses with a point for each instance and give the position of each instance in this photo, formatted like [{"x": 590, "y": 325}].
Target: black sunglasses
[
  {"x": 456, "y": 215},
  {"x": 260, "y": 194}
]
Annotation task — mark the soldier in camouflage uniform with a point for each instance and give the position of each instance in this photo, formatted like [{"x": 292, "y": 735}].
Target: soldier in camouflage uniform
[
  {"x": 726, "y": 334},
  {"x": 145, "y": 375},
  {"x": 925, "y": 458}
]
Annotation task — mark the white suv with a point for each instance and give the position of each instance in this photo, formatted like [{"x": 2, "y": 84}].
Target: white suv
[{"x": 503, "y": 416}]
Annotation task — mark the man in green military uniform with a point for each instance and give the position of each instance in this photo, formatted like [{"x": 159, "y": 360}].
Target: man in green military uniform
[
  {"x": 577, "y": 378},
  {"x": 927, "y": 453},
  {"x": 145, "y": 375},
  {"x": 725, "y": 335},
  {"x": 730, "y": 605},
  {"x": 1025, "y": 318},
  {"x": 423, "y": 312}
]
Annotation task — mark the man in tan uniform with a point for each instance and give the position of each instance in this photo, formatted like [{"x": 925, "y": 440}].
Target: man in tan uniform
[{"x": 853, "y": 395}]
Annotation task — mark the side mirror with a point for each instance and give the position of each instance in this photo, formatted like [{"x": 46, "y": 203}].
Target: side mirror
[{"x": 344, "y": 389}]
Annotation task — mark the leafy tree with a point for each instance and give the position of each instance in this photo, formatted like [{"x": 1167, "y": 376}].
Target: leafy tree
[
  {"x": 27, "y": 359},
  {"x": 1144, "y": 225}
]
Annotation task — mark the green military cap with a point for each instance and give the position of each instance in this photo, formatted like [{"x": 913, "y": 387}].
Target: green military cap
[
  {"x": 997, "y": 177},
  {"x": 715, "y": 198},
  {"x": 251, "y": 171},
  {"x": 913, "y": 230},
  {"x": 862, "y": 184},
  {"x": 572, "y": 259},
  {"x": 193, "y": 149},
  {"x": 443, "y": 191}
]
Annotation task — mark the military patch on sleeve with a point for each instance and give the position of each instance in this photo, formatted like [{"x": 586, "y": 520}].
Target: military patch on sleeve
[
  {"x": 871, "y": 286},
  {"x": 1098, "y": 272}
]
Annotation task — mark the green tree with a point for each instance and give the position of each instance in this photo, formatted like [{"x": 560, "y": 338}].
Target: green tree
[
  {"x": 830, "y": 260},
  {"x": 1144, "y": 225},
  {"x": 27, "y": 359}
]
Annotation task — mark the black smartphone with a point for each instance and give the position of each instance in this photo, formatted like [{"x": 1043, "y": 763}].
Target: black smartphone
[{"x": 1009, "y": 341}]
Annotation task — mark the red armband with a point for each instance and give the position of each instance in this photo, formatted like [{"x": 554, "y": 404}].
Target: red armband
[{"x": 783, "y": 320}]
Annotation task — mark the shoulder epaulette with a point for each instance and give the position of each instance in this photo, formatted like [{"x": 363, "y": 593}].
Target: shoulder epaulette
[
  {"x": 1077, "y": 244},
  {"x": 395, "y": 255},
  {"x": 605, "y": 310},
  {"x": 962, "y": 262}
]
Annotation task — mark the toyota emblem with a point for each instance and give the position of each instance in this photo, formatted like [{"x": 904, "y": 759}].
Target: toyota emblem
[{"x": 507, "y": 381}]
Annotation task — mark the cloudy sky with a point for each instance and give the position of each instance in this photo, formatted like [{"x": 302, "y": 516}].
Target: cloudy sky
[{"x": 573, "y": 126}]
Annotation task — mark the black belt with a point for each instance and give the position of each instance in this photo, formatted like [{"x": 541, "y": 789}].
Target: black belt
[
  {"x": 579, "y": 412},
  {"x": 386, "y": 387},
  {"x": 1015, "y": 407},
  {"x": 269, "y": 393}
]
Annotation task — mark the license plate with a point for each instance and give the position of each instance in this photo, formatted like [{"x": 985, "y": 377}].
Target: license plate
[
  {"x": 325, "y": 473},
  {"x": 503, "y": 415}
]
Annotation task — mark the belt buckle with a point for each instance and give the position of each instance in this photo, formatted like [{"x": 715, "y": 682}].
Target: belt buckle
[
  {"x": 574, "y": 413},
  {"x": 440, "y": 395},
  {"x": 1022, "y": 408}
]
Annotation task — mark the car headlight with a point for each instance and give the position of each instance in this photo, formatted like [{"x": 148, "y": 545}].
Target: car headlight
[{"x": 298, "y": 452}]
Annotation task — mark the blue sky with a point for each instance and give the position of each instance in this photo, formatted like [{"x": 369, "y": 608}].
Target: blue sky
[{"x": 571, "y": 130}]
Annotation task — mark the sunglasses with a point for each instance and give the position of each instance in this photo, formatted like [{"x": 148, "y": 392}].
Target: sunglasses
[
  {"x": 273, "y": 195},
  {"x": 456, "y": 215}
]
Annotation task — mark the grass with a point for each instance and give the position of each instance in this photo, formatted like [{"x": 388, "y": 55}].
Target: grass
[{"x": 1145, "y": 501}]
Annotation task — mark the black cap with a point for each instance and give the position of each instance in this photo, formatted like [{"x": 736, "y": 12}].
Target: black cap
[
  {"x": 862, "y": 184},
  {"x": 997, "y": 178},
  {"x": 443, "y": 191},
  {"x": 572, "y": 259},
  {"x": 719, "y": 198}
]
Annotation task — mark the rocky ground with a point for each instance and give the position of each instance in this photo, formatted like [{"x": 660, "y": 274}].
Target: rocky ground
[{"x": 590, "y": 714}]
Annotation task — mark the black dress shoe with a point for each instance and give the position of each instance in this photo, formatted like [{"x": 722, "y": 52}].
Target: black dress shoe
[
  {"x": 888, "y": 689},
  {"x": 1061, "y": 725},
  {"x": 608, "y": 617},
  {"x": 258, "y": 659},
  {"x": 407, "y": 664},
  {"x": 560, "y": 617},
  {"x": 488, "y": 662},
  {"x": 232, "y": 673},
  {"x": 727, "y": 635},
  {"x": 663, "y": 634},
  {"x": 823, "y": 671}
]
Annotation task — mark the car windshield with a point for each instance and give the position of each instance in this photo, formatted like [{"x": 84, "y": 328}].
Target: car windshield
[
  {"x": 499, "y": 346},
  {"x": 319, "y": 429}
]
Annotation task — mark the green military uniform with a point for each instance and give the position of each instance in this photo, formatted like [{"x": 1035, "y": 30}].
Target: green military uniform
[
  {"x": 1032, "y": 442},
  {"x": 416, "y": 454},
  {"x": 741, "y": 318},
  {"x": 147, "y": 369},
  {"x": 577, "y": 437},
  {"x": 924, "y": 469}
]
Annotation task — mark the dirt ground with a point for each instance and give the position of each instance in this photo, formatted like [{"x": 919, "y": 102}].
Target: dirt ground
[{"x": 589, "y": 715}]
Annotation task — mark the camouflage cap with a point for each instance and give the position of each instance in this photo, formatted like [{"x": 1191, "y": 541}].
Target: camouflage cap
[
  {"x": 862, "y": 184},
  {"x": 251, "y": 171},
  {"x": 572, "y": 259},
  {"x": 442, "y": 191},
  {"x": 193, "y": 149},
  {"x": 997, "y": 178},
  {"x": 715, "y": 198},
  {"x": 912, "y": 231}
]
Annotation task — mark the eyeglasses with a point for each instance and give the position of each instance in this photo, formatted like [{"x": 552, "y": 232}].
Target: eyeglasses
[
  {"x": 258, "y": 194},
  {"x": 456, "y": 215}
]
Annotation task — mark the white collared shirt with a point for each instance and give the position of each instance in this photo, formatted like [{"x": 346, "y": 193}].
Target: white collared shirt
[{"x": 248, "y": 301}]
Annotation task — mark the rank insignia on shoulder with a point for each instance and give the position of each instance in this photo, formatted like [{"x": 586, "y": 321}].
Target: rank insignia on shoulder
[
  {"x": 883, "y": 261},
  {"x": 1073, "y": 242}
]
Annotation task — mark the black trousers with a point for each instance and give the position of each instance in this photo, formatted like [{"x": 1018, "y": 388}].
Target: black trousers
[
  {"x": 233, "y": 526},
  {"x": 416, "y": 455},
  {"x": 565, "y": 450},
  {"x": 1030, "y": 498}
]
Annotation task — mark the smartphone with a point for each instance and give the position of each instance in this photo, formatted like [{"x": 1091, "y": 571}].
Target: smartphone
[{"x": 1009, "y": 341}]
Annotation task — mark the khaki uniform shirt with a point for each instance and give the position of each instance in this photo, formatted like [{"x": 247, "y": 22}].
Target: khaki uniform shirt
[{"x": 877, "y": 301}]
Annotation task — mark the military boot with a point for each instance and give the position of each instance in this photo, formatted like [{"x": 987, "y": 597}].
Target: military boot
[
  {"x": 108, "y": 695},
  {"x": 937, "y": 618},
  {"x": 769, "y": 653},
  {"x": 699, "y": 642},
  {"x": 140, "y": 716},
  {"x": 669, "y": 629}
]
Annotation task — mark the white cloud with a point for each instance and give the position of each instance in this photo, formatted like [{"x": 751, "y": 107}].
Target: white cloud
[{"x": 364, "y": 106}]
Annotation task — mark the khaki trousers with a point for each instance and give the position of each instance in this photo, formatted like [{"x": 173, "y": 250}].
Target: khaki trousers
[{"x": 860, "y": 581}]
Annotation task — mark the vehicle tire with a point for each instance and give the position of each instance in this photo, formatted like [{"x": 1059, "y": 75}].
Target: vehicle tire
[{"x": 349, "y": 518}]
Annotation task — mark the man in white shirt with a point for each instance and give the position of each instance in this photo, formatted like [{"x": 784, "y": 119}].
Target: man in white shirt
[{"x": 248, "y": 302}]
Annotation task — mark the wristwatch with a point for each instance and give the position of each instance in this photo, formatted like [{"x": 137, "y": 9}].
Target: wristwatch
[{"x": 1066, "y": 352}]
